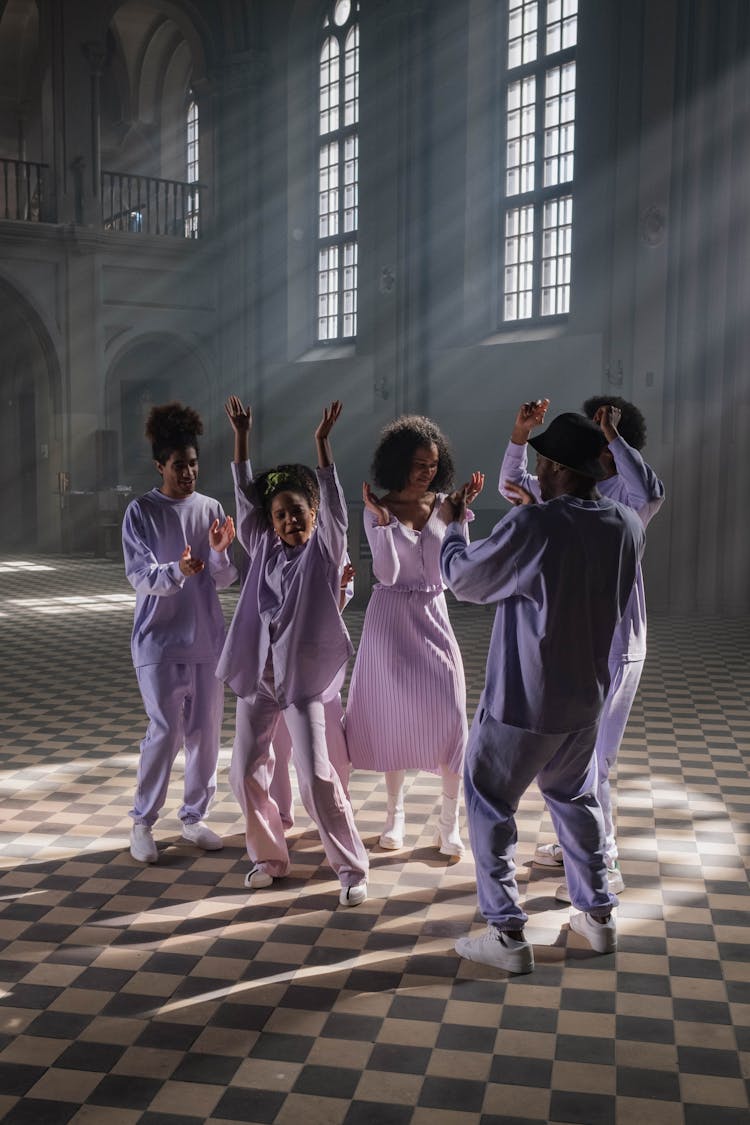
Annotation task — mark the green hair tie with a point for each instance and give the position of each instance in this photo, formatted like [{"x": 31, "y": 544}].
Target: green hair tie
[{"x": 276, "y": 479}]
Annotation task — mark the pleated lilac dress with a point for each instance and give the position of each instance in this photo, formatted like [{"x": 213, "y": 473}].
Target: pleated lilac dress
[{"x": 407, "y": 698}]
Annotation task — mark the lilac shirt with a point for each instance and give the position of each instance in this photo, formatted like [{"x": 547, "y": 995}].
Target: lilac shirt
[
  {"x": 177, "y": 619},
  {"x": 561, "y": 574},
  {"x": 289, "y": 604},
  {"x": 635, "y": 484},
  {"x": 405, "y": 559}
]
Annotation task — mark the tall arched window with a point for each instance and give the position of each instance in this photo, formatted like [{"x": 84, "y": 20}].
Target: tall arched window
[
  {"x": 338, "y": 172},
  {"x": 539, "y": 81},
  {"x": 192, "y": 175}
]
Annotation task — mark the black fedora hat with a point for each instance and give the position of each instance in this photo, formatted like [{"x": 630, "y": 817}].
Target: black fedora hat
[{"x": 574, "y": 442}]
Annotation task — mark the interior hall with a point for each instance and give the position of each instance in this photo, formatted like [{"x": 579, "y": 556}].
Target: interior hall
[{"x": 435, "y": 207}]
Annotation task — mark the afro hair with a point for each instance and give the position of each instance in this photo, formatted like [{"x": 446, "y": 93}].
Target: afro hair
[
  {"x": 395, "y": 451},
  {"x": 632, "y": 424},
  {"x": 172, "y": 427}
]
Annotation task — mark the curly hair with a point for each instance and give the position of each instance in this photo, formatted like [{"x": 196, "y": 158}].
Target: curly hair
[
  {"x": 286, "y": 478},
  {"x": 399, "y": 441},
  {"x": 172, "y": 427},
  {"x": 632, "y": 424}
]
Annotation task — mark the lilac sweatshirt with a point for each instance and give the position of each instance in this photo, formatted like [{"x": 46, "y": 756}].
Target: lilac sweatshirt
[
  {"x": 177, "y": 619},
  {"x": 635, "y": 484},
  {"x": 289, "y": 604},
  {"x": 561, "y": 574}
]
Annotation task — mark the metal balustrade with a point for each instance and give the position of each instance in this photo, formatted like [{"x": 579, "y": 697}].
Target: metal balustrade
[
  {"x": 150, "y": 205},
  {"x": 21, "y": 189}
]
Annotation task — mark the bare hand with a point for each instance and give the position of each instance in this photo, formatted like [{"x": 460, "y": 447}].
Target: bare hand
[
  {"x": 519, "y": 496},
  {"x": 530, "y": 415},
  {"x": 473, "y": 487},
  {"x": 241, "y": 417},
  {"x": 608, "y": 417},
  {"x": 375, "y": 505},
  {"x": 328, "y": 421},
  {"x": 454, "y": 506},
  {"x": 188, "y": 565},
  {"x": 347, "y": 574},
  {"x": 221, "y": 536}
]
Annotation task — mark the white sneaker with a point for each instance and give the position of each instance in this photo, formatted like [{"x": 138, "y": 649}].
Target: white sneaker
[
  {"x": 549, "y": 855},
  {"x": 256, "y": 879},
  {"x": 202, "y": 836},
  {"x": 601, "y": 936},
  {"x": 615, "y": 881},
  {"x": 498, "y": 949},
  {"x": 142, "y": 846},
  {"x": 392, "y": 836},
  {"x": 353, "y": 896}
]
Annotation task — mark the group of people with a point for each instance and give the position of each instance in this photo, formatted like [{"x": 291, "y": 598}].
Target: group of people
[{"x": 562, "y": 567}]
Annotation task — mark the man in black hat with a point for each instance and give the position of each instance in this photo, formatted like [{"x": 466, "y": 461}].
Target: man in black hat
[{"x": 560, "y": 573}]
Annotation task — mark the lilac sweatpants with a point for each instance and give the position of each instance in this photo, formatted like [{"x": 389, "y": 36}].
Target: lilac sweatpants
[
  {"x": 281, "y": 785},
  {"x": 251, "y": 773},
  {"x": 625, "y": 677},
  {"x": 501, "y": 763},
  {"x": 184, "y": 704}
]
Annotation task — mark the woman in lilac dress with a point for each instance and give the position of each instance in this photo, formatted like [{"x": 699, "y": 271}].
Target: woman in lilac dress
[{"x": 407, "y": 699}]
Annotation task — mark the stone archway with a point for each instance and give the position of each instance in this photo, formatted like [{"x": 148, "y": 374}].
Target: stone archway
[{"x": 31, "y": 431}]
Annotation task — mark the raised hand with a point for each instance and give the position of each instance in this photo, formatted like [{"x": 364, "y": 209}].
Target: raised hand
[
  {"x": 240, "y": 417},
  {"x": 473, "y": 487},
  {"x": 520, "y": 496},
  {"x": 188, "y": 565},
  {"x": 328, "y": 421},
  {"x": 530, "y": 415},
  {"x": 330, "y": 417},
  {"x": 375, "y": 505},
  {"x": 608, "y": 418},
  {"x": 220, "y": 536},
  {"x": 348, "y": 572}
]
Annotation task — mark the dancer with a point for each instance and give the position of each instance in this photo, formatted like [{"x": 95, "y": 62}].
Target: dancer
[
  {"x": 629, "y": 480},
  {"x": 560, "y": 573},
  {"x": 286, "y": 652},
  {"x": 281, "y": 783},
  {"x": 178, "y": 630},
  {"x": 407, "y": 699}
]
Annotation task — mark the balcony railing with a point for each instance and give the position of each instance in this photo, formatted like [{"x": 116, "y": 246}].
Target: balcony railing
[
  {"x": 149, "y": 205},
  {"x": 21, "y": 189}
]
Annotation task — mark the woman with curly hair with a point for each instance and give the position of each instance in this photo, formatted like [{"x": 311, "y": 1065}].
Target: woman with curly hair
[
  {"x": 407, "y": 699},
  {"x": 175, "y": 545},
  {"x": 286, "y": 652}
]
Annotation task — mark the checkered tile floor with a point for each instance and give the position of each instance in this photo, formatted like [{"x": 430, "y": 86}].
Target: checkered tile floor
[{"x": 167, "y": 995}]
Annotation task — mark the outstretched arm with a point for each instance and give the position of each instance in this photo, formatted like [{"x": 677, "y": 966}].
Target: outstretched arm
[
  {"x": 330, "y": 417},
  {"x": 241, "y": 421}
]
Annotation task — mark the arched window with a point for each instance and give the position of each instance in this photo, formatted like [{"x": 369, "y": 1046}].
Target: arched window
[
  {"x": 192, "y": 174},
  {"x": 338, "y": 172},
  {"x": 536, "y": 230}
]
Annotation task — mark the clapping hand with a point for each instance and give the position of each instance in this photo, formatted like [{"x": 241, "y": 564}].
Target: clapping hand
[
  {"x": 519, "y": 496},
  {"x": 374, "y": 504},
  {"x": 474, "y": 486},
  {"x": 220, "y": 536},
  {"x": 188, "y": 565}
]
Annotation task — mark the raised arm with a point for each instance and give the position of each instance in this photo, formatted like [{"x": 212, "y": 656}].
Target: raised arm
[
  {"x": 514, "y": 469},
  {"x": 644, "y": 490},
  {"x": 251, "y": 520},
  {"x": 331, "y": 415},
  {"x": 241, "y": 420}
]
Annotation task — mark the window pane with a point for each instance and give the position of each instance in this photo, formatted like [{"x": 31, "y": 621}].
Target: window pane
[
  {"x": 559, "y": 129},
  {"x": 520, "y": 120},
  {"x": 562, "y": 25},
  {"x": 518, "y": 273},
  {"x": 556, "y": 256},
  {"x": 329, "y": 86},
  {"x": 523, "y": 20}
]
